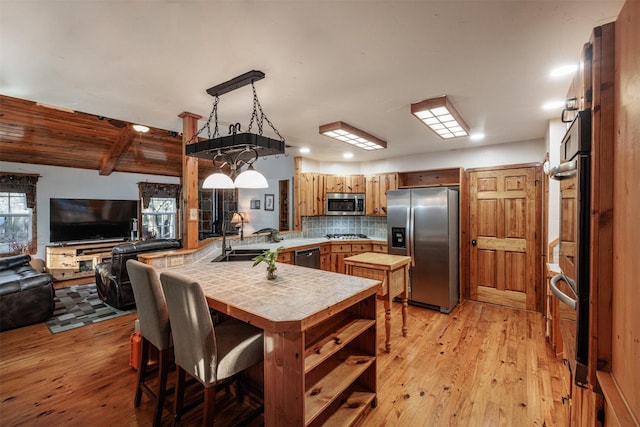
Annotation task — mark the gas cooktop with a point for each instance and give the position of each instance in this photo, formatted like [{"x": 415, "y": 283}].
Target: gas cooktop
[{"x": 346, "y": 236}]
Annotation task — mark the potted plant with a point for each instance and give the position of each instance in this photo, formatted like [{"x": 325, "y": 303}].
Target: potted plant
[{"x": 269, "y": 257}]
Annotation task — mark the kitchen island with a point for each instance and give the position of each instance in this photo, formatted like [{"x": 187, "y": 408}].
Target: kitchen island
[
  {"x": 393, "y": 271},
  {"x": 319, "y": 336}
]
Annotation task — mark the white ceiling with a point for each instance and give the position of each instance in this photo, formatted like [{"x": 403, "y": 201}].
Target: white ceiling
[{"x": 361, "y": 62}]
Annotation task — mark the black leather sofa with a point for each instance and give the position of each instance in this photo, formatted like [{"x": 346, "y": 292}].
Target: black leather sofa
[
  {"x": 26, "y": 295},
  {"x": 112, "y": 279}
]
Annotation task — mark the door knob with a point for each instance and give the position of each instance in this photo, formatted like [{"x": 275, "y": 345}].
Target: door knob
[{"x": 473, "y": 242}]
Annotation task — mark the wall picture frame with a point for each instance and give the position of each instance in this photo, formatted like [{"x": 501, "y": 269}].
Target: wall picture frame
[
  {"x": 254, "y": 204},
  {"x": 268, "y": 202}
]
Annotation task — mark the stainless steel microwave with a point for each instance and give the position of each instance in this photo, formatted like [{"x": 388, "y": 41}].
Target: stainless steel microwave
[{"x": 345, "y": 204}]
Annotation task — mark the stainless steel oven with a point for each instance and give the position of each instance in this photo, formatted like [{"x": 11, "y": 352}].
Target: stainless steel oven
[{"x": 571, "y": 286}]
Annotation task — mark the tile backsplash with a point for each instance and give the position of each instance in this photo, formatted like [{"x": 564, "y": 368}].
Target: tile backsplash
[{"x": 319, "y": 226}]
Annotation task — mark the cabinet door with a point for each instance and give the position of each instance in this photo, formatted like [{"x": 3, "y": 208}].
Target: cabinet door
[
  {"x": 372, "y": 190},
  {"x": 354, "y": 184},
  {"x": 358, "y": 248},
  {"x": 285, "y": 257},
  {"x": 337, "y": 262},
  {"x": 325, "y": 262},
  {"x": 311, "y": 202},
  {"x": 388, "y": 182},
  {"x": 335, "y": 184}
]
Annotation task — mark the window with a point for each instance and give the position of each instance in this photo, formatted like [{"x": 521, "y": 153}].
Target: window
[
  {"x": 15, "y": 223},
  {"x": 17, "y": 214},
  {"x": 159, "y": 219}
]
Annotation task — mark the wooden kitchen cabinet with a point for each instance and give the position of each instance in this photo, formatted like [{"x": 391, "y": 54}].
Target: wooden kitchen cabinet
[
  {"x": 376, "y": 192},
  {"x": 430, "y": 178},
  {"x": 285, "y": 257},
  {"x": 325, "y": 257},
  {"x": 379, "y": 248},
  {"x": 311, "y": 194},
  {"x": 340, "y": 251},
  {"x": 354, "y": 184},
  {"x": 358, "y": 248},
  {"x": 345, "y": 183}
]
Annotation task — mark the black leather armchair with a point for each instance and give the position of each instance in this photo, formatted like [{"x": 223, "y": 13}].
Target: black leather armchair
[
  {"x": 112, "y": 280},
  {"x": 26, "y": 295}
]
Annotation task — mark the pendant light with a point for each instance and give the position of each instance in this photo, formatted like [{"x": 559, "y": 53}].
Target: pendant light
[
  {"x": 251, "y": 178},
  {"x": 233, "y": 149}
]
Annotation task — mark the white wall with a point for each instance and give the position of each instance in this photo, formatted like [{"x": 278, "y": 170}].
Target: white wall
[
  {"x": 485, "y": 156},
  {"x": 59, "y": 182},
  {"x": 274, "y": 168}
]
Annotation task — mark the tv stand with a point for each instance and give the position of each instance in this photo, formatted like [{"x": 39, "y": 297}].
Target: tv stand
[{"x": 77, "y": 260}]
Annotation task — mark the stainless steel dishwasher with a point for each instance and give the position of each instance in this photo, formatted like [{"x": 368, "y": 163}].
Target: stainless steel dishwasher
[{"x": 308, "y": 258}]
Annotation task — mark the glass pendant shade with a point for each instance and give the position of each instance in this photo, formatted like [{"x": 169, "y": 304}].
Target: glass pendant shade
[
  {"x": 251, "y": 178},
  {"x": 218, "y": 180}
]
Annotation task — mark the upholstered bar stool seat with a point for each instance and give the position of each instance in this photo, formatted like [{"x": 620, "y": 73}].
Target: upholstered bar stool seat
[
  {"x": 207, "y": 354},
  {"x": 155, "y": 329}
]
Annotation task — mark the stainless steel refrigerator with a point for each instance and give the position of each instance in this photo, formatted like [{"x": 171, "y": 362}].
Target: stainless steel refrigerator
[{"x": 423, "y": 223}]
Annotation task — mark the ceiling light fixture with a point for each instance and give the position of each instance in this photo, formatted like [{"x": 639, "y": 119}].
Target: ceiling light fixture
[
  {"x": 141, "y": 128},
  {"x": 553, "y": 105},
  {"x": 237, "y": 148},
  {"x": 353, "y": 136},
  {"x": 564, "y": 70},
  {"x": 441, "y": 117}
]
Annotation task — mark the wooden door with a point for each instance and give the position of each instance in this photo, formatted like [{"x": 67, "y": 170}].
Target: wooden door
[{"x": 504, "y": 248}]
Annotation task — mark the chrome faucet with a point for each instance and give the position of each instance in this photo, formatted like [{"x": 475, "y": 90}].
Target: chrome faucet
[{"x": 225, "y": 249}]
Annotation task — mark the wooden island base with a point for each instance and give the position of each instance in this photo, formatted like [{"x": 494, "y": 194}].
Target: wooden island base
[{"x": 393, "y": 272}]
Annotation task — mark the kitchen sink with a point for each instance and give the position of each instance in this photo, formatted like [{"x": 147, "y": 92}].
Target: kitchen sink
[{"x": 239, "y": 255}]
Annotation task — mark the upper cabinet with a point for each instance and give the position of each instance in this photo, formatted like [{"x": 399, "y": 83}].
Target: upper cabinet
[
  {"x": 376, "y": 192},
  {"x": 430, "y": 178},
  {"x": 345, "y": 183},
  {"x": 310, "y": 192}
]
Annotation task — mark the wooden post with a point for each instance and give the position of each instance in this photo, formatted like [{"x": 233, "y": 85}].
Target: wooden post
[
  {"x": 189, "y": 183},
  {"x": 297, "y": 193}
]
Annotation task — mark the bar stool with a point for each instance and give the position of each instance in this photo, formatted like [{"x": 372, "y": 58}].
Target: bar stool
[
  {"x": 155, "y": 330},
  {"x": 207, "y": 354}
]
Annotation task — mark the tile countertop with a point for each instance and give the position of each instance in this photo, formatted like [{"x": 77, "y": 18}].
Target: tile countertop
[
  {"x": 294, "y": 296},
  {"x": 307, "y": 241},
  {"x": 212, "y": 250}
]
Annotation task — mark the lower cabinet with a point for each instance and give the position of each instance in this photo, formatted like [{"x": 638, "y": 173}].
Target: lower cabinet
[
  {"x": 332, "y": 254},
  {"x": 285, "y": 257},
  {"x": 340, "y": 366},
  {"x": 340, "y": 251}
]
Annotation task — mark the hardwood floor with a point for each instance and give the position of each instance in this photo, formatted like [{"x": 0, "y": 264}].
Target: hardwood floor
[{"x": 479, "y": 365}]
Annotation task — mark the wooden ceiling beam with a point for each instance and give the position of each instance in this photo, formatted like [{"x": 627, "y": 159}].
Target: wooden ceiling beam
[{"x": 122, "y": 143}]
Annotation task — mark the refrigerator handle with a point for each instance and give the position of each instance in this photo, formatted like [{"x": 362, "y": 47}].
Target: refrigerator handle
[{"x": 411, "y": 244}]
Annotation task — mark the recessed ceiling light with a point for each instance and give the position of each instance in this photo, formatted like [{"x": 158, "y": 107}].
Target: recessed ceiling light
[
  {"x": 563, "y": 70},
  {"x": 304, "y": 150},
  {"x": 141, "y": 128},
  {"x": 553, "y": 105},
  {"x": 347, "y": 155},
  {"x": 476, "y": 136}
]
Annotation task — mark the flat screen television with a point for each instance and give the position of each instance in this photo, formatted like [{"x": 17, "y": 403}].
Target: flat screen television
[{"x": 90, "y": 219}]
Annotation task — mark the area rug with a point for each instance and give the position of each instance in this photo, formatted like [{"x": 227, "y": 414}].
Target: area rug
[{"x": 80, "y": 305}]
